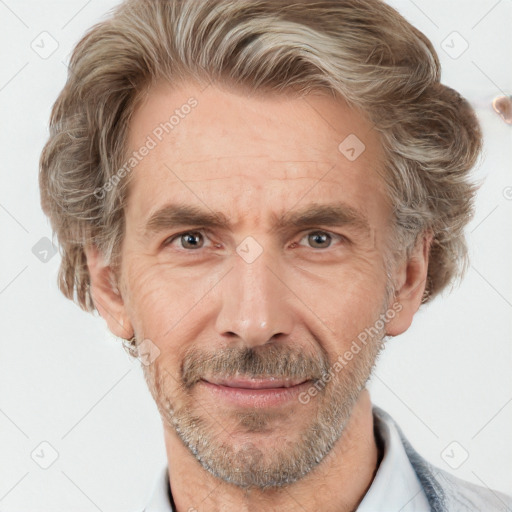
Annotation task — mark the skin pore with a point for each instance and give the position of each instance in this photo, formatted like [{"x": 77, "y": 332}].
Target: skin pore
[{"x": 249, "y": 292}]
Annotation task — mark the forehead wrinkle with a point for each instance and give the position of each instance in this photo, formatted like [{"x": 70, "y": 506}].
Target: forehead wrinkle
[
  {"x": 237, "y": 167},
  {"x": 251, "y": 179}
]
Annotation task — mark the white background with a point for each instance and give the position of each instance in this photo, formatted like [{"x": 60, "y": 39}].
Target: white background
[{"x": 65, "y": 380}]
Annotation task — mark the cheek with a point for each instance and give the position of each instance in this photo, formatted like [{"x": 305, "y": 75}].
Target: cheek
[
  {"x": 162, "y": 299},
  {"x": 348, "y": 302},
  {"x": 148, "y": 297},
  {"x": 347, "y": 297},
  {"x": 351, "y": 315}
]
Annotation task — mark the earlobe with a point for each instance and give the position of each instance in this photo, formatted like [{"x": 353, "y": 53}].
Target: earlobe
[
  {"x": 106, "y": 296},
  {"x": 411, "y": 279}
]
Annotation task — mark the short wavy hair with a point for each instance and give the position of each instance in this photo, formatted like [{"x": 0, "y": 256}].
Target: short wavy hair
[{"x": 361, "y": 50}]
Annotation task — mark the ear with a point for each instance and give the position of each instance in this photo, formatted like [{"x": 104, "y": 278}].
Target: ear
[
  {"x": 106, "y": 296},
  {"x": 410, "y": 279}
]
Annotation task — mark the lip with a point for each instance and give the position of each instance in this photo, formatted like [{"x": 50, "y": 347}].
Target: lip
[
  {"x": 255, "y": 393},
  {"x": 268, "y": 383}
]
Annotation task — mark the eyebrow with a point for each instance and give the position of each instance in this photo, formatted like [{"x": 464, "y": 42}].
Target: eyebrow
[{"x": 176, "y": 215}]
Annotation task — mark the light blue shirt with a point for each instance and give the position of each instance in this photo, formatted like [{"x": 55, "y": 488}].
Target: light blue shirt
[{"x": 396, "y": 487}]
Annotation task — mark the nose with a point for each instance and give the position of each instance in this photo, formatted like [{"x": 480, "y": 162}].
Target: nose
[{"x": 255, "y": 303}]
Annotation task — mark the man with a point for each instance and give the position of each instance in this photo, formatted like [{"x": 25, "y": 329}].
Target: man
[{"x": 253, "y": 131}]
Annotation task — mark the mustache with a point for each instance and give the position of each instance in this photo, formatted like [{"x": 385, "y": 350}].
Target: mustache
[{"x": 261, "y": 362}]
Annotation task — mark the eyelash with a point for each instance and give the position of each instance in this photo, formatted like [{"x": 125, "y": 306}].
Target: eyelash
[{"x": 168, "y": 241}]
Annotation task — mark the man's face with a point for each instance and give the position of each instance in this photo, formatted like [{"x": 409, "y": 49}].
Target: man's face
[{"x": 248, "y": 315}]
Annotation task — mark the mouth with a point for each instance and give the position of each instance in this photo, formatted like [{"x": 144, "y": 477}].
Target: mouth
[
  {"x": 255, "y": 393},
  {"x": 267, "y": 383}
]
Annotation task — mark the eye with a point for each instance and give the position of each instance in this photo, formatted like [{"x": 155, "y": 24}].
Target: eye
[
  {"x": 320, "y": 239},
  {"x": 193, "y": 240},
  {"x": 188, "y": 240}
]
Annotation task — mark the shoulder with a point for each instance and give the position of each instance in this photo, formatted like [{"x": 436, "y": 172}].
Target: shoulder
[
  {"x": 444, "y": 491},
  {"x": 460, "y": 495}
]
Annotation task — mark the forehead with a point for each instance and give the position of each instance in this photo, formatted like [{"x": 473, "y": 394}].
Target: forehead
[{"x": 219, "y": 145}]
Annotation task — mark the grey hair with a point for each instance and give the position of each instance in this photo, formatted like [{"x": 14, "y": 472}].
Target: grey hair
[{"x": 361, "y": 50}]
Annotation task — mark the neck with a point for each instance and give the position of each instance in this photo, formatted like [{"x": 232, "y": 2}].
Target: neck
[{"x": 337, "y": 484}]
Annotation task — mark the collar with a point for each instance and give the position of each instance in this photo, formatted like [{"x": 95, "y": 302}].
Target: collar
[
  {"x": 161, "y": 497},
  {"x": 395, "y": 485}
]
